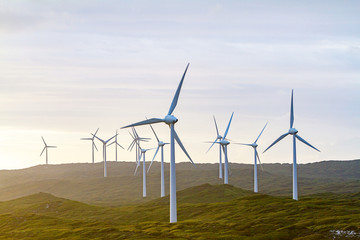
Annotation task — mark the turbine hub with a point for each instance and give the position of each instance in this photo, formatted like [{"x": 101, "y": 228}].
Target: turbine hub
[
  {"x": 143, "y": 150},
  {"x": 161, "y": 143},
  {"x": 224, "y": 142},
  {"x": 293, "y": 131},
  {"x": 219, "y": 137},
  {"x": 254, "y": 145},
  {"x": 170, "y": 119}
]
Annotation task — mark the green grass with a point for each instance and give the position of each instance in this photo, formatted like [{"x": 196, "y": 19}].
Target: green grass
[{"x": 204, "y": 212}]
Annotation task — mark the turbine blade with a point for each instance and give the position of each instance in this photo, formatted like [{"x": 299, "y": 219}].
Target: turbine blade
[
  {"x": 261, "y": 132},
  {"x": 245, "y": 144},
  {"x": 96, "y": 131},
  {"x": 120, "y": 145},
  {"x": 52, "y": 146},
  {"x": 277, "y": 140},
  {"x": 137, "y": 166},
  {"x": 292, "y": 110},
  {"x": 303, "y": 140},
  {"x": 110, "y": 143},
  {"x": 86, "y": 139},
  {"x": 43, "y": 140},
  {"x": 153, "y": 158},
  {"x": 176, "y": 97},
  {"x": 257, "y": 155},
  {"x": 95, "y": 146},
  {"x": 154, "y": 133},
  {"x": 136, "y": 135},
  {"x": 98, "y": 138},
  {"x": 217, "y": 130},
  {"x": 111, "y": 138},
  {"x": 227, "y": 129},
  {"x": 148, "y": 121},
  {"x": 212, "y": 144},
  {"x": 182, "y": 147},
  {"x": 42, "y": 151}
]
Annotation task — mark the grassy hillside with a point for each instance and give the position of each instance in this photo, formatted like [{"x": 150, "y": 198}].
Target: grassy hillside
[
  {"x": 243, "y": 215},
  {"x": 85, "y": 182}
]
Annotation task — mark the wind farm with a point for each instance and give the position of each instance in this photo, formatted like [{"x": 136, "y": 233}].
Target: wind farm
[{"x": 200, "y": 93}]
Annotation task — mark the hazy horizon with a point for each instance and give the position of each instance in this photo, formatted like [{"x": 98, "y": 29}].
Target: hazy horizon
[{"x": 68, "y": 68}]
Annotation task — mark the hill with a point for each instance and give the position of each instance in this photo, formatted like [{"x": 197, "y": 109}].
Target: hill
[
  {"x": 248, "y": 216},
  {"x": 84, "y": 182}
]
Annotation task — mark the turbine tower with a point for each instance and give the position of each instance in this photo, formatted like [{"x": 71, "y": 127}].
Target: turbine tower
[
  {"x": 218, "y": 138},
  {"x": 92, "y": 145},
  {"x": 170, "y": 120},
  {"x": 104, "y": 151},
  {"x": 161, "y": 145},
  {"x": 116, "y": 145},
  {"x": 293, "y": 131},
  {"x": 224, "y": 143},
  {"x": 143, "y": 152},
  {"x": 257, "y": 158},
  {"x": 46, "y": 148}
]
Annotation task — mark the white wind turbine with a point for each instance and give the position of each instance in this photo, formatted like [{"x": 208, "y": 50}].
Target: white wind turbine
[
  {"x": 92, "y": 144},
  {"x": 256, "y": 156},
  {"x": 104, "y": 151},
  {"x": 170, "y": 120},
  {"x": 224, "y": 143},
  {"x": 218, "y": 138},
  {"x": 161, "y": 145},
  {"x": 136, "y": 141},
  {"x": 116, "y": 145},
  {"x": 46, "y": 148},
  {"x": 293, "y": 131},
  {"x": 143, "y": 152}
]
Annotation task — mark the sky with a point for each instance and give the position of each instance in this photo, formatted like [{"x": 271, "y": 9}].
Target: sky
[{"x": 70, "y": 67}]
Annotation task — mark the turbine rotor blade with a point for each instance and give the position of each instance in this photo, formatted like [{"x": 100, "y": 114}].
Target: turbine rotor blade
[
  {"x": 182, "y": 147},
  {"x": 154, "y": 133},
  {"x": 245, "y": 144},
  {"x": 42, "y": 151},
  {"x": 153, "y": 158},
  {"x": 227, "y": 129},
  {"x": 145, "y": 122},
  {"x": 86, "y": 139},
  {"x": 292, "y": 110},
  {"x": 120, "y": 145},
  {"x": 277, "y": 140},
  {"x": 95, "y": 146},
  {"x": 98, "y": 138},
  {"x": 212, "y": 144},
  {"x": 96, "y": 131},
  {"x": 303, "y": 140},
  {"x": 176, "y": 97},
  {"x": 217, "y": 130},
  {"x": 111, "y": 138},
  {"x": 261, "y": 132},
  {"x": 51, "y": 146},
  {"x": 110, "y": 143},
  {"x": 258, "y": 158},
  {"x": 43, "y": 140}
]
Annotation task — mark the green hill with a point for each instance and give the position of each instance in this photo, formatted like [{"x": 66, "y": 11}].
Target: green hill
[
  {"x": 85, "y": 182},
  {"x": 243, "y": 215}
]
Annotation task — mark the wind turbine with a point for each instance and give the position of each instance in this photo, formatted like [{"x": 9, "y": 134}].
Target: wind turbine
[
  {"x": 218, "y": 138},
  {"x": 161, "y": 145},
  {"x": 46, "y": 148},
  {"x": 136, "y": 139},
  {"x": 104, "y": 151},
  {"x": 293, "y": 131},
  {"x": 143, "y": 152},
  {"x": 116, "y": 145},
  {"x": 256, "y": 156},
  {"x": 170, "y": 120},
  {"x": 224, "y": 143},
  {"x": 92, "y": 145}
]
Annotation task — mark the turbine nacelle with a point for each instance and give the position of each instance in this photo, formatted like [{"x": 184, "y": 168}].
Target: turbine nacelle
[
  {"x": 254, "y": 145},
  {"x": 293, "y": 131},
  {"x": 224, "y": 142},
  {"x": 219, "y": 137},
  {"x": 161, "y": 143},
  {"x": 170, "y": 119}
]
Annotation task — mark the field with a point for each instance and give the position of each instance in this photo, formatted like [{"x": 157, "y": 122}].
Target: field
[{"x": 36, "y": 203}]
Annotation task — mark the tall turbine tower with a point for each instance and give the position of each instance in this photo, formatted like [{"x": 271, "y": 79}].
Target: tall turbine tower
[
  {"x": 218, "y": 138},
  {"x": 104, "y": 152},
  {"x": 257, "y": 158},
  {"x": 116, "y": 145},
  {"x": 224, "y": 143},
  {"x": 143, "y": 152},
  {"x": 170, "y": 120},
  {"x": 92, "y": 144},
  {"x": 46, "y": 148},
  {"x": 161, "y": 145},
  {"x": 293, "y": 131}
]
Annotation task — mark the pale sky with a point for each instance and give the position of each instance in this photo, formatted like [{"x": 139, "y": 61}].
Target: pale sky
[{"x": 69, "y": 67}]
